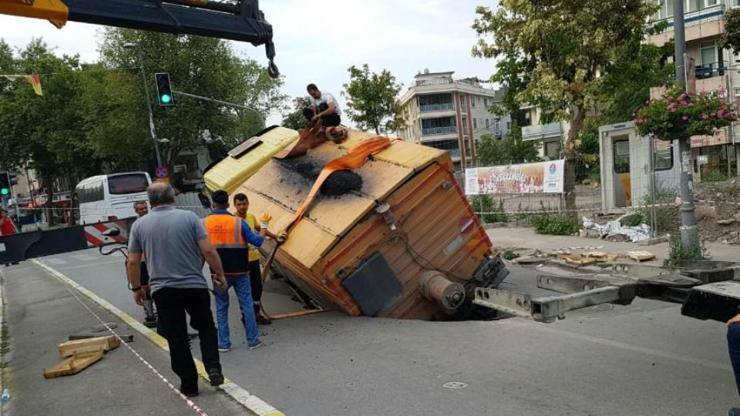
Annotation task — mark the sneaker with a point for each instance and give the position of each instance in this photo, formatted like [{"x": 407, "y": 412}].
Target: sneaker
[
  {"x": 224, "y": 349},
  {"x": 256, "y": 345},
  {"x": 216, "y": 377}
]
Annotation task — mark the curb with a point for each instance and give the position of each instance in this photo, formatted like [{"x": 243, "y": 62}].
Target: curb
[{"x": 251, "y": 402}]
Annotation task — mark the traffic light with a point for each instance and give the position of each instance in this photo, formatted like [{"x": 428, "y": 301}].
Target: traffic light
[
  {"x": 4, "y": 184},
  {"x": 164, "y": 90}
]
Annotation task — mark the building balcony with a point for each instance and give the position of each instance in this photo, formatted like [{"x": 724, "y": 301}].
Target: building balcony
[
  {"x": 433, "y": 131},
  {"x": 428, "y": 108},
  {"x": 700, "y": 24},
  {"x": 543, "y": 131},
  {"x": 709, "y": 78}
]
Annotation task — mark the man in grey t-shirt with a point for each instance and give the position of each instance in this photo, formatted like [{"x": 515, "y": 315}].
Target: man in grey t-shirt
[{"x": 175, "y": 242}]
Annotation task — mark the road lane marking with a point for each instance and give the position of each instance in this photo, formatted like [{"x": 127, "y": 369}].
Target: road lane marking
[{"x": 236, "y": 392}]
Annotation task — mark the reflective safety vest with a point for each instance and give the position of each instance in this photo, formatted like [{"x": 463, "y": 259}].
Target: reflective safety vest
[{"x": 225, "y": 233}]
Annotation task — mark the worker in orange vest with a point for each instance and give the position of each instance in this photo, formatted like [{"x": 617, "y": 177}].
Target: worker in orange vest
[{"x": 229, "y": 234}]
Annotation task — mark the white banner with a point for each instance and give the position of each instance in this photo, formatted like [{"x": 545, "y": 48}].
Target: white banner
[{"x": 527, "y": 178}]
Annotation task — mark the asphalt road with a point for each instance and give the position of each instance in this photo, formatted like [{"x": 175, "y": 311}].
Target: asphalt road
[{"x": 641, "y": 359}]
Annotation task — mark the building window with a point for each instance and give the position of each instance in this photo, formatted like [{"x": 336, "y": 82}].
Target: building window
[
  {"x": 621, "y": 155},
  {"x": 663, "y": 154},
  {"x": 552, "y": 150},
  {"x": 488, "y": 123},
  {"x": 475, "y": 123},
  {"x": 473, "y": 99},
  {"x": 508, "y": 125},
  {"x": 708, "y": 53}
]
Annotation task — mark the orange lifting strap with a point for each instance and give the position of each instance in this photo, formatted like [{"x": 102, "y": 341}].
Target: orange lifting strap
[{"x": 352, "y": 160}]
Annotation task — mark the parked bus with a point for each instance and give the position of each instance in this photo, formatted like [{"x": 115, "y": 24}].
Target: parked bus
[{"x": 110, "y": 197}]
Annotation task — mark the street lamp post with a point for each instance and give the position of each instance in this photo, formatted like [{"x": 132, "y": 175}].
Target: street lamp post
[
  {"x": 689, "y": 231},
  {"x": 152, "y": 130}
]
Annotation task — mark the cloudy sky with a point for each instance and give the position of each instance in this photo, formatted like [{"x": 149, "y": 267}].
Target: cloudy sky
[{"x": 318, "y": 41}]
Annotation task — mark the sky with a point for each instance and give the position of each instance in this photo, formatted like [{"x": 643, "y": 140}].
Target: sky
[{"x": 317, "y": 41}]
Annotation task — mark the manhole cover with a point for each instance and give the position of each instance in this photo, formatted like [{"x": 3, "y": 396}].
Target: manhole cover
[{"x": 455, "y": 385}]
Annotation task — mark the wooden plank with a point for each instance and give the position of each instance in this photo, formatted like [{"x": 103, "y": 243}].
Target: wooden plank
[
  {"x": 74, "y": 364},
  {"x": 640, "y": 256},
  {"x": 81, "y": 346}
]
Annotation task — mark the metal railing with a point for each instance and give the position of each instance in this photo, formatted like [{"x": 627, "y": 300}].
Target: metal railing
[
  {"x": 712, "y": 69},
  {"x": 426, "y": 108},
  {"x": 542, "y": 131},
  {"x": 430, "y": 131}
]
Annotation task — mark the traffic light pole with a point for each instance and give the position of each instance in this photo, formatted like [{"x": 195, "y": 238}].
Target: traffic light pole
[
  {"x": 226, "y": 103},
  {"x": 152, "y": 130}
]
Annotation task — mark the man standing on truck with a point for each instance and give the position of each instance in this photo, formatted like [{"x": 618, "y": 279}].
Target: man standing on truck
[
  {"x": 241, "y": 203},
  {"x": 150, "y": 317},
  {"x": 323, "y": 106},
  {"x": 230, "y": 235},
  {"x": 175, "y": 243}
]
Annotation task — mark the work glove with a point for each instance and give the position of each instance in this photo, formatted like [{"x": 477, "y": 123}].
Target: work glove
[
  {"x": 265, "y": 219},
  {"x": 282, "y": 236}
]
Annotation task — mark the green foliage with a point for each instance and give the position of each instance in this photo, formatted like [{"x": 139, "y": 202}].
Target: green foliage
[
  {"x": 678, "y": 115},
  {"x": 371, "y": 99},
  {"x": 295, "y": 119},
  {"x": 587, "y": 151},
  {"x": 633, "y": 220},
  {"x": 666, "y": 217},
  {"x": 488, "y": 211},
  {"x": 679, "y": 252},
  {"x": 509, "y": 150},
  {"x": 731, "y": 37},
  {"x": 197, "y": 65},
  {"x": 713, "y": 176},
  {"x": 556, "y": 55},
  {"x": 554, "y": 224}
]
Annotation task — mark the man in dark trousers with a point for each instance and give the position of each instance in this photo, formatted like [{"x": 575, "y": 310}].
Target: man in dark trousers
[
  {"x": 175, "y": 242},
  {"x": 323, "y": 106}
]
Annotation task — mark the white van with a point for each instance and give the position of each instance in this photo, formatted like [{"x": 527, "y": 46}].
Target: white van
[{"x": 111, "y": 197}]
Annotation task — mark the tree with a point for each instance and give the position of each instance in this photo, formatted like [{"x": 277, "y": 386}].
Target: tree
[
  {"x": 45, "y": 132},
  {"x": 731, "y": 37},
  {"x": 569, "y": 46},
  {"x": 197, "y": 65},
  {"x": 509, "y": 150},
  {"x": 295, "y": 119},
  {"x": 372, "y": 102}
]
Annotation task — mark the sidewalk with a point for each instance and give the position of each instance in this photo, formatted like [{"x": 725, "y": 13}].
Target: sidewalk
[
  {"x": 40, "y": 313},
  {"x": 504, "y": 238}
]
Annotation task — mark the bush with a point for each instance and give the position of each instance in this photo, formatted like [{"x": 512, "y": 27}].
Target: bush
[
  {"x": 487, "y": 210},
  {"x": 667, "y": 217},
  {"x": 713, "y": 176},
  {"x": 679, "y": 252},
  {"x": 554, "y": 224}
]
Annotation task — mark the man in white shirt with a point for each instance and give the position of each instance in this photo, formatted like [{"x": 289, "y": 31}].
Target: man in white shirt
[{"x": 323, "y": 106}]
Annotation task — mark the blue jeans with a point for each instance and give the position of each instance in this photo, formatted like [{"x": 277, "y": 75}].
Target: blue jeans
[
  {"x": 243, "y": 289},
  {"x": 733, "y": 345}
]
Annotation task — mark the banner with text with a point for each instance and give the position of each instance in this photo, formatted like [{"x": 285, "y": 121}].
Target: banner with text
[{"x": 527, "y": 178}]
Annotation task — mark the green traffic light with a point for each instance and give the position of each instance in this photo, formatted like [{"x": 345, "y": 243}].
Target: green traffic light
[
  {"x": 165, "y": 98},
  {"x": 4, "y": 191}
]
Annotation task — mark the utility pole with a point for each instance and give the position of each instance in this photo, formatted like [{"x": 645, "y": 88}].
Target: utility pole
[
  {"x": 689, "y": 231},
  {"x": 152, "y": 130}
]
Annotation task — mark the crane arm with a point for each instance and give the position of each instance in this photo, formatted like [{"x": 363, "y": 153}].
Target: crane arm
[{"x": 240, "y": 20}]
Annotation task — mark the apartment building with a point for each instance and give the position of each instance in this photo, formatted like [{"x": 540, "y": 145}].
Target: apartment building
[
  {"x": 547, "y": 136},
  {"x": 451, "y": 114},
  {"x": 711, "y": 69}
]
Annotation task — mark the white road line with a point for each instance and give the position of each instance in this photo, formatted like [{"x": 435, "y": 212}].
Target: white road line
[{"x": 251, "y": 402}]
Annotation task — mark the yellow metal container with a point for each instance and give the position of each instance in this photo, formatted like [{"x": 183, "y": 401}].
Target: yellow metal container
[
  {"x": 244, "y": 161},
  {"x": 365, "y": 252}
]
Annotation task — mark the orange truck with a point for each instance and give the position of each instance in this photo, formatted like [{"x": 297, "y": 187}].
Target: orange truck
[{"x": 406, "y": 244}]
